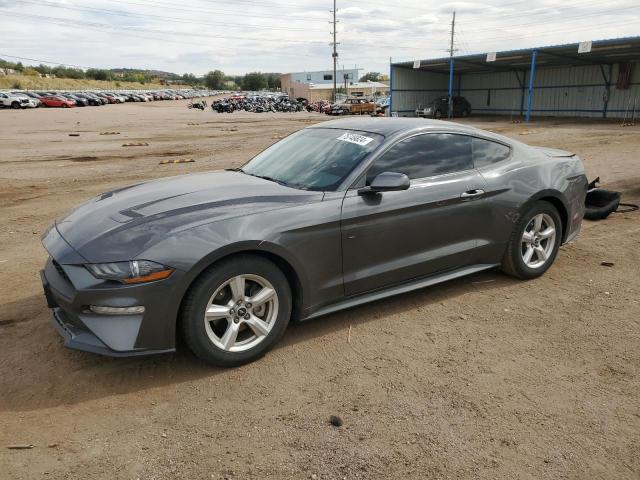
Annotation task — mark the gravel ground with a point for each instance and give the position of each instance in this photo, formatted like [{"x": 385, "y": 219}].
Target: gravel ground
[{"x": 482, "y": 377}]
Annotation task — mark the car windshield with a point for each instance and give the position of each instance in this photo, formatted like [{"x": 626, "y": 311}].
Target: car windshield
[{"x": 314, "y": 158}]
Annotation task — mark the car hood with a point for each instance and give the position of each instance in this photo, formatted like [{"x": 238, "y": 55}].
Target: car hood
[{"x": 121, "y": 223}]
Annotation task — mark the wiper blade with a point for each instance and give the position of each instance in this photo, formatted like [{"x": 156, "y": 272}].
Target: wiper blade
[{"x": 271, "y": 179}]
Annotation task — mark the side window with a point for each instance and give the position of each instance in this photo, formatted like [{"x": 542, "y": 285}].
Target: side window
[
  {"x": 425, "y": 156},
  {"x": 486, "y": 152}
]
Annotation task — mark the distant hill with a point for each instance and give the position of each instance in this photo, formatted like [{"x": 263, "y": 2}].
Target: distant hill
[
  {"x": 37, "y": 83},
  {"x": 149, "y": 73}
]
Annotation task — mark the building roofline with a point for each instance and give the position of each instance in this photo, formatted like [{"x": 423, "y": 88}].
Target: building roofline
[
  {"x": 324, "y": 71},
  {"x": 563, "y": 54}
]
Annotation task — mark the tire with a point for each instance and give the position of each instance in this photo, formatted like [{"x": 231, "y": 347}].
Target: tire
[
  {"x": 15, "y": 105},
  {"x": 207, "y": 339},
  {"x": 437, "y": 114},
  {"x": 515, "y": 261},
  {"x": 465, "y": 112}
]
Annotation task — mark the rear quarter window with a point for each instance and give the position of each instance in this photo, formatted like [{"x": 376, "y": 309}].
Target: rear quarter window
[{"x": 486, "y": 152}]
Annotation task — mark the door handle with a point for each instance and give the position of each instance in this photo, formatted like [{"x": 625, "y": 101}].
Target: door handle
[{"x": 471, "y": 194}]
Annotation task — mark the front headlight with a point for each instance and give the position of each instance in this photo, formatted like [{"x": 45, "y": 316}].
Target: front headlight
[{"x": 135, "y": 271}]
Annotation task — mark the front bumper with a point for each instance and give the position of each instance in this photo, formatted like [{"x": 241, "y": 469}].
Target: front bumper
[{"x": 70, "y": 289}]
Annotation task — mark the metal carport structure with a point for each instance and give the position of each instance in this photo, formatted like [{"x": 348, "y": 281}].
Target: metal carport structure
[{"x": 557, "y": 80}]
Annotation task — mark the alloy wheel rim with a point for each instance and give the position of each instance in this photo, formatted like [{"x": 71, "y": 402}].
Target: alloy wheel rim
[
  {"x": 241, "y": 313},
  {"x": 538, "y": 240}
]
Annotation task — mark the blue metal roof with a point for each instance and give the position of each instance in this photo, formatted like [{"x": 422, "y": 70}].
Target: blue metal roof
[{"x": 608, "y": 51}]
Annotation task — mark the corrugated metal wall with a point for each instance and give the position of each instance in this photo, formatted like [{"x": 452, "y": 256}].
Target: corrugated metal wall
[
  {"x": 411, "y": 88},
  {"x": 566, "y": 91}
]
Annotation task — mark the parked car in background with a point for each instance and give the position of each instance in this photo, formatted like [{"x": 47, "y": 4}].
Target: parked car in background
[
  {"x": 439, "y": 108},
  {"x": 33, "y": 97},
  {"x": 80, "y": 102},
  {"x": 10, "y": 100},
  {"x": 227, "y": 258},
  {"x": 93, "y": 101},
  {"x": 65, "y": 98},
  {"x": 354, "y": 106},
  {"x": 382, "y": 105},
  {"x": 57, "y": 101},
  {"x": 30, "y": 102}
]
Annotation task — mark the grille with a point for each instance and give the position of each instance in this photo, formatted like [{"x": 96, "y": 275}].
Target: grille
[{"x": 59, "y": 269}]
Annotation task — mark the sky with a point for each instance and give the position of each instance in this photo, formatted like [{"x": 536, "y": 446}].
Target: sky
[{"x": 196, "y": 36}]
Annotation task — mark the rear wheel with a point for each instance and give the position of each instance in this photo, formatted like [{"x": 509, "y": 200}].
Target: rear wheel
[
  {"x": 236, "y": 310},
  {"x": 437, "y": 114},
  {"x": 534, "y": 243}
]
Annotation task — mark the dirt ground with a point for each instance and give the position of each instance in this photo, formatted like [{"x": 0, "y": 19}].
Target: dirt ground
[{"x": 483, "y": 377}]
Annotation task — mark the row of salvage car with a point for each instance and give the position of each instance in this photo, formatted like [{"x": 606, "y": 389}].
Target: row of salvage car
[{"x": 22, "y": 99}]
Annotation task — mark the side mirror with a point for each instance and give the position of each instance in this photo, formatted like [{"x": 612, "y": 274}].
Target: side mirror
[{"x": 387, "y": 182}]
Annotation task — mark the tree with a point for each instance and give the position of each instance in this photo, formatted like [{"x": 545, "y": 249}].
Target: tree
[
  {"x": 372, "y": 76},
  {"x": 43, "y": 69},
  {"x": 214, "y": 80},
  {"x": 190, "y": 79},
  {"x": 31, "y": 72},
  {"x": 99, "y": 74},
  {"x": 273, "y": 80},
  {"x": 254, "y": 81}
]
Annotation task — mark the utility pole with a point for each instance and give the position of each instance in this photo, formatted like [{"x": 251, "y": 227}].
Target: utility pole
[
  {"x": 451, "y": 50},
  {"x": 335, "y": 51}
]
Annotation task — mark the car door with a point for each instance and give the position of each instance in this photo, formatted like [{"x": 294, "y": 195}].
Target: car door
[{"x": 392, "y": 237}]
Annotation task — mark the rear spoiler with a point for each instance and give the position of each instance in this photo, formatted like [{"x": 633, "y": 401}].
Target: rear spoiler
[{"x": 553, "y": 152}]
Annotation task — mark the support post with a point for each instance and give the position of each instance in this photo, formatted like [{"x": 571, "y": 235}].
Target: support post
[
  {"x": 607, "y": 89},
  {"x": 453, "y": 32},
  {"x": 390, "y": 86},
  {"x": 450, "y": 87},
  {"x": 532, "y": 77}
]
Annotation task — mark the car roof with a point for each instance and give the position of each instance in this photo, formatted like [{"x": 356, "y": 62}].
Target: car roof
[{"x": 392, "y": 125}]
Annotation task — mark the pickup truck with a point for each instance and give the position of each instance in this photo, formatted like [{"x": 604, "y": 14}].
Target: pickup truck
[{"x": 354, "y": 106}]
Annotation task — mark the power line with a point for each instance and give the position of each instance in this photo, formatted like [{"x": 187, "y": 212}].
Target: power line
[
  {"x": 174, "y": 7},
  {"x": 44, "y": 61},
  {"x": 608, "y": 12},
  {"x": 158, "y": 17},
  {"x": 262, "y": 39},
  {"x": 111, "y": 29},
  {"x": 253, "y": 15}
]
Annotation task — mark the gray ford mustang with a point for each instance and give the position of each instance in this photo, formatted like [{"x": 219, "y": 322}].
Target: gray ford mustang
[{"x": 335, "y": 215}]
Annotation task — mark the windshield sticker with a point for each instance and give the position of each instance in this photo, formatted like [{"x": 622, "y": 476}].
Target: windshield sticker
[{"x": 355, "y": 138}]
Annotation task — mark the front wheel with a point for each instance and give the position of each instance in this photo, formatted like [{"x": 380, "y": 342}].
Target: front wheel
[
  {"x": 534, "y": 242},
  {"x": 236, "y": 311}
]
